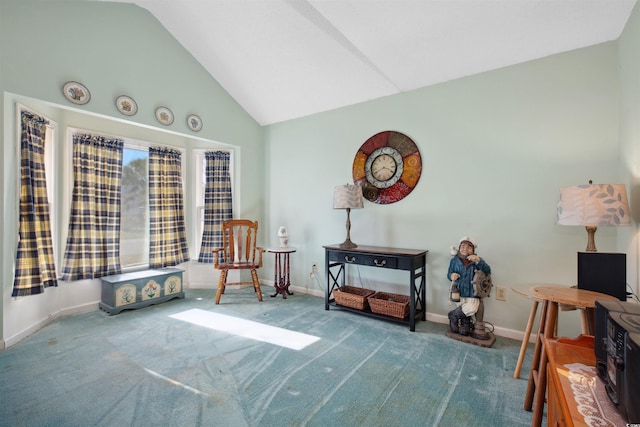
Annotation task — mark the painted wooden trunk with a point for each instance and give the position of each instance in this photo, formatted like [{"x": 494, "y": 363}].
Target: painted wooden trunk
[{"x": 140, "y": 289}]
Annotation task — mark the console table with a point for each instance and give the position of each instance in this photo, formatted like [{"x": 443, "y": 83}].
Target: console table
[{"x": 411, "y": 260}]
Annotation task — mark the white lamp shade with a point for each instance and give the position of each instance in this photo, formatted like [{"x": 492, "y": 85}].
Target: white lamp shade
[
  {"x": 599, "y": 205},
  {"x": 347, "y": 197}
]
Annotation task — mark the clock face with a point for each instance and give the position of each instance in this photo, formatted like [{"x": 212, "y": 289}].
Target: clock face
[
  {"x": 387, "y": 166},
  {"x": 384, "y": 167}
]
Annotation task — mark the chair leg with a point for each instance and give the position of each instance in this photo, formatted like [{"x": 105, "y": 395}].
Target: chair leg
[
  {"x": 221, "y": 285},
  {"x": 256, "y": 284}
]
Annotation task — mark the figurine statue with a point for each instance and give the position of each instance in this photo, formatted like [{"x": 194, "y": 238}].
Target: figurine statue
[{"x": 470, "y": 278}]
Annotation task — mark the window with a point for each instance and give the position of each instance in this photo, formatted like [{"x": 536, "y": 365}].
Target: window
[
  {"x": 134, "y": 220},
  {"x": 134, "y": 237}
]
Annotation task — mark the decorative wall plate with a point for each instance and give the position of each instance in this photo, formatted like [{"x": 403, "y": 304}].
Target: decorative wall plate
[
  {"x": 164, "y": 115},
  {"x": 387, "y": 166},
  {"x": 76, "y": 93},
  {"x": 126, "y": 105},
  {"x": 194, "y": 122}
]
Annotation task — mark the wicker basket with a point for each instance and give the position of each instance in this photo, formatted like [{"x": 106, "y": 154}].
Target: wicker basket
[
  {"x": 350, "y": 296},
  {"x": 393, "y": 305}
]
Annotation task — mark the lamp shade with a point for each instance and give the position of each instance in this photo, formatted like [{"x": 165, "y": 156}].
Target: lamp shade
[
  {"x": 599, "y": 205},
  {"x": 347, "y": 197}
]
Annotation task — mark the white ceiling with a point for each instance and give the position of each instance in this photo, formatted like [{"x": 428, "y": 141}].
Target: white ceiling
[{"x": 283, "y": 59}]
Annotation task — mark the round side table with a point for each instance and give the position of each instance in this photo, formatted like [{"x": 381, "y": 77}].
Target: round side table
[{"x": 282, "y": 276}]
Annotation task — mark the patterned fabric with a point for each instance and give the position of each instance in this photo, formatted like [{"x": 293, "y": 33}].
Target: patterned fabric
[
  {"x": 167, "y": 232},
  {"x": 217, "y": 203},
  {"x": 93, "y": 242},
  {"x": 35, "y": 266}
]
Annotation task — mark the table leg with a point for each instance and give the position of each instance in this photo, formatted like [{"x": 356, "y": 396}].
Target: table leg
[
  {"x": 535, "y": 361},
  {"x": 282, "y": 279},
  {"x": 588, "y": 321},
  {"x": 412, "y": 301},
  {"x": 288, "y": 271},
  {"x": 423, "y": 294},
  {"x": 525, "y": 339},
  {"x": 278, "y": 281},
  {"x": 541, "y": 387}
]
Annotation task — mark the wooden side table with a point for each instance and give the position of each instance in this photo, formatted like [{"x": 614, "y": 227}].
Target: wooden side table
[
  {"x": 282, "y": 275},
  {"x": 551, "y": 297}
]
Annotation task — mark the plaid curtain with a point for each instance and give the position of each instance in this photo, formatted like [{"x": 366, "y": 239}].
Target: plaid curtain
[
  {"x": 167, "y": 232},
  {"x": 93, "y": 242},
  {"x": 217, "y": 202},
  {"x": 35, "y": 266}
]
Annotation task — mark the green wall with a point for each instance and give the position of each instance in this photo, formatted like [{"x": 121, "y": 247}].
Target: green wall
[{"x": 496, "y": 149}]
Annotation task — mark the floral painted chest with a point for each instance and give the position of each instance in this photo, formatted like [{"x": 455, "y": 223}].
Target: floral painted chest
[{"x": 140, "y": 289}]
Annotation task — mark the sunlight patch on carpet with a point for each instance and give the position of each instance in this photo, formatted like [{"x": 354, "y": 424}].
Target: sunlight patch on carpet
[
  {"x": 246, "y": 328},
  {"x": 174, "y": 382}
]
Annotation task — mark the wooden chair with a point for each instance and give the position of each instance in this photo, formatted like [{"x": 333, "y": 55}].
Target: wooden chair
[{"x": 239, "y": 252}]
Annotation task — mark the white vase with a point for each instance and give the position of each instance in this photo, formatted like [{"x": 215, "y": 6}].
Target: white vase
[{"x": 283, "y": 236}]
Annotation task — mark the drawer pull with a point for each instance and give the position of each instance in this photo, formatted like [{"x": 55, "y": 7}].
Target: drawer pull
[
  {"x": 380, "y": 263},
  {"x": 351, "y": 260}
]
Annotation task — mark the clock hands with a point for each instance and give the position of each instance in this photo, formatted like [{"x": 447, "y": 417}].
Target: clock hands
[{"x": 379, "y": 169}]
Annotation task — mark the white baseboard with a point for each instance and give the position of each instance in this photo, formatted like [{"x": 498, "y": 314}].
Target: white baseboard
[
  {"x": 431, "y": 317},
  {"x": 498, "y": 331},
  {"x": 307, "y": 291},
  {"x": 200, "y": 285},
  {"x": 85, "y": 308},
  {"x": 35, "y": 327}
]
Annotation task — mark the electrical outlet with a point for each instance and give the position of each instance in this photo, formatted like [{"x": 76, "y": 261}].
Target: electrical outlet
[
  {"x": 314, "y": 269},
  {"x": 501, "y": 293}
]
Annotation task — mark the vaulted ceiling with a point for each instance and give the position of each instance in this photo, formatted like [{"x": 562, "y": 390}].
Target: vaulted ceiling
[{"x": 284, "y": 59}]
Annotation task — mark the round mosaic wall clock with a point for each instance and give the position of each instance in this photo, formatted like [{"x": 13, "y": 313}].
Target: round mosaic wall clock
[{"x": 387, "y": 166}]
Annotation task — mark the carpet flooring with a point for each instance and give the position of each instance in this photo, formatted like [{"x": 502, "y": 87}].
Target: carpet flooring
[{"x": 156, "y": 367}]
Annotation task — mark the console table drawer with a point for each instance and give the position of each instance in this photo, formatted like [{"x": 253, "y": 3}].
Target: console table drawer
[{"x": 364, "y": 259}]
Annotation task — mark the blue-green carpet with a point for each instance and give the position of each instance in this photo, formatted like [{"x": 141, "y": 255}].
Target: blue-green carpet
[{"x": 145, "y": 368}]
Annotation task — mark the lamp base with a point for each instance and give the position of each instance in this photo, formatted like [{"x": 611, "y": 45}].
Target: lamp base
[
  {"x": 347, "y": 244},
  {"x": 591, "y": 241}
]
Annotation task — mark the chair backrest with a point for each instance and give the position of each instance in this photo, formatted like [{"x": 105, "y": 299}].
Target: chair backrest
[{"x": 239, "y": 240}]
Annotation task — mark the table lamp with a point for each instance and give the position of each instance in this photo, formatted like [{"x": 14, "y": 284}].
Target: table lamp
[
  {"x": 593, "y": 206},
  {"x": 347, "y": 197}
]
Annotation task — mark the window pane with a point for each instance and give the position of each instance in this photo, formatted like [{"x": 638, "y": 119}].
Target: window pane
[{"x": 134, "y": 231}]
